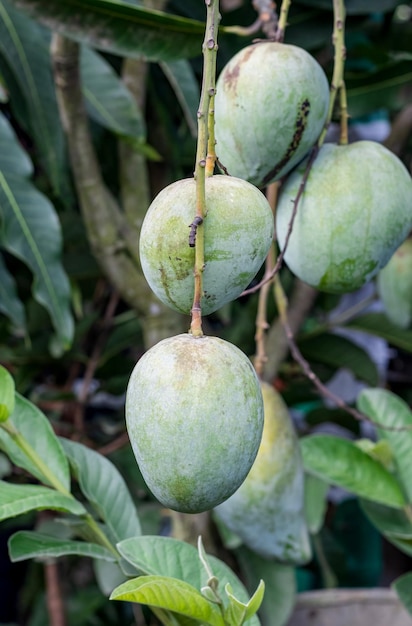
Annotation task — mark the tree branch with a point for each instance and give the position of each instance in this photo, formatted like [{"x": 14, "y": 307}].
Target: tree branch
[
  {"x": 113, "y": 234},
  {"x": 277, "y": 344}
]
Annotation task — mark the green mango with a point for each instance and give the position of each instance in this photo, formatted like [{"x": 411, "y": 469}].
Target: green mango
[
  {"x": 394, "y": 283},
  {"x": 194, "y": 415},
  {"x": 238, "y": 232},
  {"x": 267, "y": 511},
  {"x": 271, "y": 105},
  {"x": 355, "y": 210}
]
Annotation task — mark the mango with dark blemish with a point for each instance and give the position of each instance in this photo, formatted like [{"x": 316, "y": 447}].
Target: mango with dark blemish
[
  {"x": 267, "y": 511},
  {"x": 355, "y": 210},
  {"x": 270, "y": 107},
  {"x": 238, "y": 231},
  {"x": 194, "y": 415}
]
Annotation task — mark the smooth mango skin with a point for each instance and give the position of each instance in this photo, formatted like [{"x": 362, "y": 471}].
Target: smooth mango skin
[
  {"x": 394, "y": 283},
  {"x": 270, "y": 107},
  {"x": 194, "y": 415},
  {"x": 238, "y": 232},
  {"x": 266, "y": 512},
  {"x": 356, "y": 209}
]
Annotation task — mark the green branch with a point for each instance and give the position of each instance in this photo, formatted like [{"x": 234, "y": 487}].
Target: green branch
[
  {"x": 207, "y": 93},
  {"x": 337, "y": 83}
]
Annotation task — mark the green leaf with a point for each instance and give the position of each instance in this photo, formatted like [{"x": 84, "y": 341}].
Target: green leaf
[
  {"x": 166, "y": 556},
  {"x": 390, "y": 411},
  {"x": 13, "y": 159},
  {"x": 390, "y": 522},
  {"x": 35, "y": 428},
  {"x": 25, "y": 46},
  {"x": 280, "y": 585},
  {"x": 183, "y": 82},
  {"x": 119, "y": 27},
  {"x": 170, "y": 594},
  {"x": 18, "y": 499},
  {"x": 340, "y": 462},
  {"x": 5, "y": 466},
  {"x": 108, "y": 575},
  {"x": 338, "y": 352},
  {"x": 403, "y": 587},
  {"x": 6, "y": 394},
  {"x": 30, "y": 544},
  {"x": 235, "y": 613},
  {"x": 10, "y": 304},
  {"x": 31, "y": 232},
  {"x": 383, "y": 88},
  {"x": 105, "y": 488},
  {"x": 108, "y": 101},
  {"x": 403, "y": 544},
  {"x": 315, "y": 502},
  {"x": 377, "y": 324},
  {"x": 380, "y": 451},
  {"x": 238, "y": 612}
]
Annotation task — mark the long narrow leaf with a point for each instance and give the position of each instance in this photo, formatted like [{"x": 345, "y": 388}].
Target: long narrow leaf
[
  {"x": 107, "y": 99},
  {"x": 171, "y": 594},
  {"x": 120, "y": 27},
  {"x": 338, "y": 351},
  {"x": 25, "y": 46},
  {"x": 166, "y": 556},
  {"x": 10, "y": 303},
  {"x": 403, "y": 587},
  {"x": 377, "y": 324},
  {"x": 183, "y": 82},
  {"x": 31, "y": 232},
  {"x": 395, "y": 418},
  {"x": 105, "y": 488},
  {"x": 18, "y": 499},
  {"x": 35, "y": 428},
  {"x": 340, "y": 462},
  {"x": 29, "y": 544},
  {"x": 13, "y": 159}
]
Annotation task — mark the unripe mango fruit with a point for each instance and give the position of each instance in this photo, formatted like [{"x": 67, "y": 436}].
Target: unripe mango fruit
[
  {"x": 271, "y": 104},
  {"x": 238, "y": 232},
  {"x": 194, "y": 415},
  {"x": 266, "y": 512},
  {"x": 394, "y": 285},
  {"x": 355, "y": 210}
]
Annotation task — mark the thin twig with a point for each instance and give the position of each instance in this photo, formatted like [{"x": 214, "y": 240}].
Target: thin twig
[
  {"x": 261, "y": 316},
  {"x": 282, "y": 304},
  {"x": 120, "y": 442},
  {"x": 279, "y": 260}
]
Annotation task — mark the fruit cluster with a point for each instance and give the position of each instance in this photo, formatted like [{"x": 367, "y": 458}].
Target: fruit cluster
[
  {"x": 356, "y": 207},
  {"x": 194, "y": 405}
]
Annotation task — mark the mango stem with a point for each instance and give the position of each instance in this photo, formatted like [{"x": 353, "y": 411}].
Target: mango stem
[
  {"x": 337, "y": 84},
  {"x": 196, "y": 237}
]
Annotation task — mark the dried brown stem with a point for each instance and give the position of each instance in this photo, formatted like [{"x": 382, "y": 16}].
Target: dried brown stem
[
  {"x": 55, "y": 605},
  {"x": 268, "y": 18}
]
